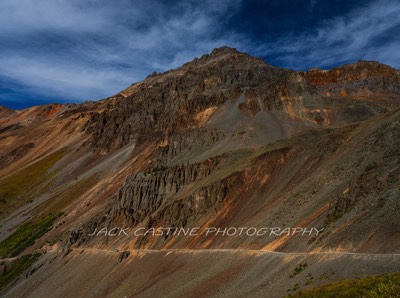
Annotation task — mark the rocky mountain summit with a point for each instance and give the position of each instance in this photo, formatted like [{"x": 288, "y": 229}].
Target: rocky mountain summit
[{"x": 225, "y": 140}]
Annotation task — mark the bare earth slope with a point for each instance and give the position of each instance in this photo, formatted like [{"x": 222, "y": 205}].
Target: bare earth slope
[
  {"x": 232, "y": 273},
  {"x": 224, "y": 141}
]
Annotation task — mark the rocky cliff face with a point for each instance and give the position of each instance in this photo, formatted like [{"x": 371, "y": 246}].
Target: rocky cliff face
[
  {"x": 186, "y": 97},
  {"x": 183, "y": 98},
  {"x": 363, "y": 78},
  {"x": 144, "y": 193}
]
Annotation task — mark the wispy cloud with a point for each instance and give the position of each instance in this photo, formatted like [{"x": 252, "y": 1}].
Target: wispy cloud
[
  {"x": 369, "y": 32},
  {"x": 92, "y": 49}
]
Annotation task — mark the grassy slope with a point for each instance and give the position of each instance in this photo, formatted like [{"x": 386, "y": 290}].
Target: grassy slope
[
  {"x": 18, "y": 188},
  {"x": 376, "y": 286},
  {"x": 16, "y": 269},
  {"x": 25, "y": 235}
]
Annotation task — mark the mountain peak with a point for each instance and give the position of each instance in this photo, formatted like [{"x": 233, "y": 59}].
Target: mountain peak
[
  {"x": 224, "y": 51},
  {"x": 217, "y": 55}
]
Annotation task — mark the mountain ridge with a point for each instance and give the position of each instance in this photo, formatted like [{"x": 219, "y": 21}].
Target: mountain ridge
[{"x": 229, "y": 53}]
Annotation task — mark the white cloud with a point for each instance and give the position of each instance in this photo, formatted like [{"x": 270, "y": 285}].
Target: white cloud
[{"x": 93, "y": 49}]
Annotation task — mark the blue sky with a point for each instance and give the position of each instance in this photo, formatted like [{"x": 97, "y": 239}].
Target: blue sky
[{"x": 76, "y": 50}]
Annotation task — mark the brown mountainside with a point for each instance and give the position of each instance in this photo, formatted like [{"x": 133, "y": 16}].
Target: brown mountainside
[{"x": 226, "y": 140}]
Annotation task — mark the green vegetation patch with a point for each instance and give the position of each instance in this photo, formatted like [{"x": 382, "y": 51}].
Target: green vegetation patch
[
  {"x": 17, "y": 188},
  {"x": 375, "y": 286},
  {"x": 14, "y": 270},
  {"x": 25, "y": 235},
  {"x": 300, "y": 268}
]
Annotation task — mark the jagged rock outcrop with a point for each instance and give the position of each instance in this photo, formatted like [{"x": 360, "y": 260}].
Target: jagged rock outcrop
[
  {"x": 143, "y": 193},
  {"x": 178, "y": 213}
]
